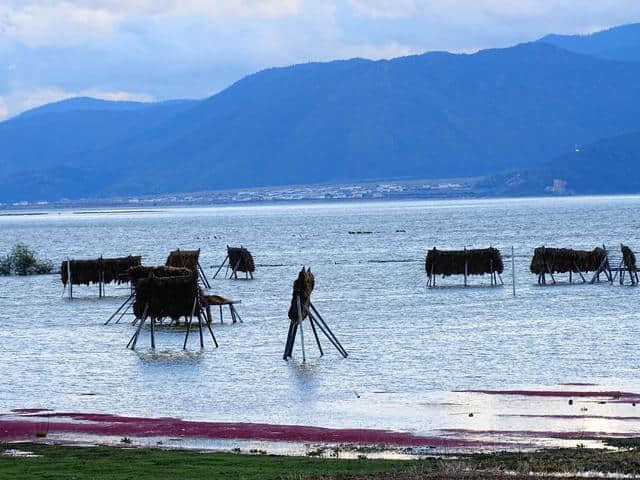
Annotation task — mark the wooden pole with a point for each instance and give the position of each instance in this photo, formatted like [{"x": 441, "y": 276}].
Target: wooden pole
[
  {"x": 300, "y": 320},
  {"x": 118, "y": 310},
  {"x": 466, "y": 266},
  {"x": 315, "y": 334},
  {"x": 285, "y": 355},
  {"x": 235, "y": 269},
  {"x": 215, "y": 342},
  {"x": 205, "y": 280},
  {"x": 329, "y": 334},
  {"x": 193, "y": 309},
  {"x": 493, "y": 277},
  {"x": 236, "y": 314},
  {"x": 221, "y": 265},
  {"x": 323, "y": 323},
  {"x": 200, "y": 329},
  {"x": 153, "y": 333},
  {"x": 134, "y": 338},
  {"x": 69, "y": 279}
]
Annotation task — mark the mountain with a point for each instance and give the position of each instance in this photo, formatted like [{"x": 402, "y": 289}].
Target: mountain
[
  {"x": 436, "y": 115},
  {"x": 618, "y": 43},
  {"x": 607, "y": 166}
]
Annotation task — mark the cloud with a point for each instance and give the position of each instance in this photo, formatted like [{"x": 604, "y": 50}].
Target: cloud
[
  {"x": 4, "y": 109},
  {"x": 50, "y": 49}
]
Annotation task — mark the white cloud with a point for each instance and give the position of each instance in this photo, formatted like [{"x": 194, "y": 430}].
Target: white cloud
[
  {"x": 4, "y": 109},
  {"x": 385, "y": 8},
  {"x": 52, "y": 49},
  {"x": 61, "y": 24}
]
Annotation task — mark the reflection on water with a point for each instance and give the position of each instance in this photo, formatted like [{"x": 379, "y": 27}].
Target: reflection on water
[{"x": 412, "y": 344}]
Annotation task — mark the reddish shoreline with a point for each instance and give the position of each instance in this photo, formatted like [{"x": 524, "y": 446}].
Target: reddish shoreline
[
  {"x": 16, "y": 428},
  {"x": 616, "y": 395}
]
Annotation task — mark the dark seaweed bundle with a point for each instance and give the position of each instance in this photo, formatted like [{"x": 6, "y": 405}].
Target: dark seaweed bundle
[
  {"x": 564, "y": 260},
  {"x": 241, "y": 259},
  {"x": 166, "y": 297},
  {"x": 302, "y": 287},
  {"x": 452, "y": 262}
]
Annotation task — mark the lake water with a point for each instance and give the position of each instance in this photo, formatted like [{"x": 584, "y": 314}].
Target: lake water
[{"x": 409, "y": 347}]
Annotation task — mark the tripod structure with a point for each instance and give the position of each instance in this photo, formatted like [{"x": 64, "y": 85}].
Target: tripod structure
[{"x": 302, "y": 309}]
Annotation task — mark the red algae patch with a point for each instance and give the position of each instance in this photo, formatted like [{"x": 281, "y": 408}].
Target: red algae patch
[
  {"x": 101, "y": 424},
  {"x": 616, "y": 395},
  {"x": 572, "y": 417},
  {"x": 577, "y": 435}
]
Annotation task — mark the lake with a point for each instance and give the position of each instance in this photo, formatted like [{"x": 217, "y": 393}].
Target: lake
[{"x": 410, "y": 348}]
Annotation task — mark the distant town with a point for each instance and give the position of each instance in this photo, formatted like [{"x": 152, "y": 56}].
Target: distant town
[{"x": 391, "y": 190}]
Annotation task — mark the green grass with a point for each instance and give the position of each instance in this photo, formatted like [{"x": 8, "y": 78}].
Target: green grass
[
  {"x": 113, "y": 463},
  {"x": 61, "y": 462}
]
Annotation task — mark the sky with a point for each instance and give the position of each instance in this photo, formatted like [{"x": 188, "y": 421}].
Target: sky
[{"x": 149, "y": 50}]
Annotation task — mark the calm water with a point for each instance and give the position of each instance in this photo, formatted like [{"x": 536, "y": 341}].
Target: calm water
[{"x": 408, "y": 346}]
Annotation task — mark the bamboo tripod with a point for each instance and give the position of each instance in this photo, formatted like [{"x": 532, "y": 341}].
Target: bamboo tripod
[{"x": 317, "y": 323}]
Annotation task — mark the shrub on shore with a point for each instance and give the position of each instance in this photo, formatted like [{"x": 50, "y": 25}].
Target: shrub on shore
[{"x": 23, "y": 261}]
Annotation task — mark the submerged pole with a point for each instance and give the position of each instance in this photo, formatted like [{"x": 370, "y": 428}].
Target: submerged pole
[{"x": 513, "y": 270}]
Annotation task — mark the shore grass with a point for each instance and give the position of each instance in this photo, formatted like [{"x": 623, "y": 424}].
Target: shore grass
[{"x": 116, "y": 463}]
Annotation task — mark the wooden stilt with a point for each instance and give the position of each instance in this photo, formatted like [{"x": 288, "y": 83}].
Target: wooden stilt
[
  {"x": 205, "y": 280},
  {"x": 323, "y": 323},
  {"x": 215, "y": 342},
  {"x": 153, "y": 333},
  {"x": 300, "y": 321},
  {"x": 327, "y": 333},
  {"x": 466, "y": 266},
  {"x": 193, "y": 309},
  {"x": 124, "y": 312},
  {"x": 315, "y": 334},
  {"x": 118, "y": 310},
  {"x": 69, "y": 279},
  {"x": 221, "y": 265},
  {"x": 235, "y": 270},
  {"x": 200, "y": 329},
  {"x": 134, "y": 338},
  {"x": 286, "y": 354}
]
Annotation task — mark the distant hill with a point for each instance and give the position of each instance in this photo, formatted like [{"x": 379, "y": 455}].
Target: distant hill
[
  {"x": 608, "y": 166},
  {"x": 436, "y": 115},
  {"x": 618, "y": 43}
]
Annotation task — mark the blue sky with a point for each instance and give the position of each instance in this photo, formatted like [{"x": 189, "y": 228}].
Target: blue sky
[{"x": 159, "y": 49}]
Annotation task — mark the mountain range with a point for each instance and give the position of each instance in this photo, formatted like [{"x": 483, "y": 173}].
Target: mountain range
[{"x": 521, "y": 117}]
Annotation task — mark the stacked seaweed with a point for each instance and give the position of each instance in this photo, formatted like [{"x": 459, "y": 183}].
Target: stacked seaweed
[
  {"x": 564, "y": 260},
  {"x": 136, "y": 273},
  {"x": 166, "y": 297},
  {"x": 184, "y": 259},
  {"x": 629, "y": 258},
  {"x": 452, "y": 262},
  {"x": 302, "y": 287},
  {"x": 107, "y": 270},
  {"x": 241, "y": 259}
]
